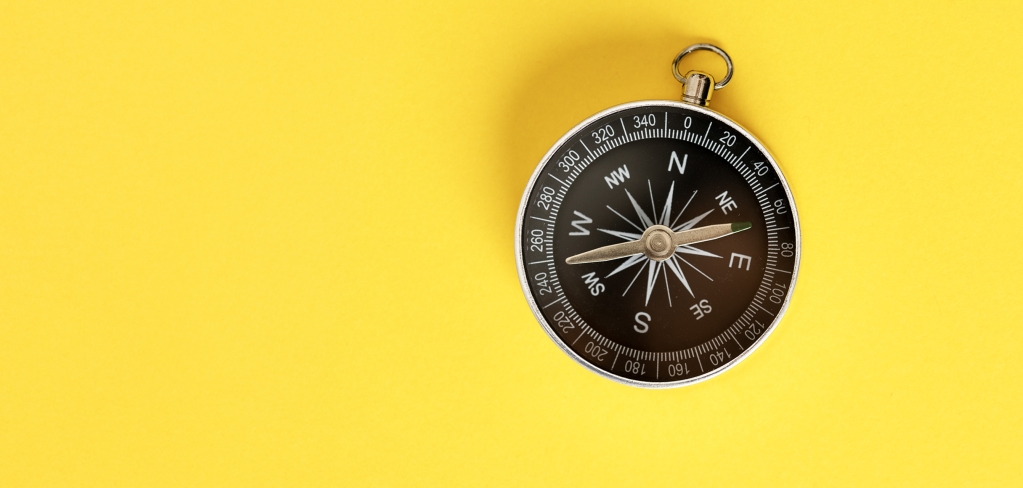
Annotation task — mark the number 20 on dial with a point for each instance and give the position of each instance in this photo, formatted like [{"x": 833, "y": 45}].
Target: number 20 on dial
[{"x": 657, "y": 242}]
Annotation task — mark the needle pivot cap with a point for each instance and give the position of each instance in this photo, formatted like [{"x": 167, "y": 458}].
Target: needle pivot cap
[{"x": 657, "y": 242}]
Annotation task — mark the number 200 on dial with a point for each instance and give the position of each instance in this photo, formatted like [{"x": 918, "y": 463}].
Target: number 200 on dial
[{"x": 646, "y": 173}]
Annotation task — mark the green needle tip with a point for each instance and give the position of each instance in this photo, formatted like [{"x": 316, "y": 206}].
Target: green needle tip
[{"x": 741, "y": 226}]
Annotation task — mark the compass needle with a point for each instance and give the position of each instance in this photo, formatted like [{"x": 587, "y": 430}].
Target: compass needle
[
  {"x": 607, "y": 253},
  {"x": 709, "y": 232},
  {"x": 585, "y": 245},
  {"x": 656, "y": 243}
]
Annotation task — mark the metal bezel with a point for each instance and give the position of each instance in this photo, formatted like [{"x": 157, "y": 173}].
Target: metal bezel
[{"x": 520, "y": 258}]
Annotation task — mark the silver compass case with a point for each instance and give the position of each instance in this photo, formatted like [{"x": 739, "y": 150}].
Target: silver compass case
[{"x": 594, "y": 219}]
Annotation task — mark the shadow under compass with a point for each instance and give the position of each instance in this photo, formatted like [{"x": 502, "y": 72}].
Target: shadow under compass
[{"x": 568, "y": 83}]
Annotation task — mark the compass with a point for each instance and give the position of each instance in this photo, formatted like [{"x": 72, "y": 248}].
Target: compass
[{"x": 657, "y": 242}]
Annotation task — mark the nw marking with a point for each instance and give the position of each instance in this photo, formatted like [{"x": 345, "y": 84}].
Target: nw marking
[{"x": 617, "y": 177}]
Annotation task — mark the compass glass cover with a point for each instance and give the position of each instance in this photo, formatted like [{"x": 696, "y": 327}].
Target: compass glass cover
[{"x": 658, "y": 322}]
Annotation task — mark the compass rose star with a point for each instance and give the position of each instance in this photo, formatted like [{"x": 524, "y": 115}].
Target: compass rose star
[{"x": 655, "y": 269}]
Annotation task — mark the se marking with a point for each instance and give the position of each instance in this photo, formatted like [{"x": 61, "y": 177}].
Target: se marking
[{"x": 701, "y": 309}]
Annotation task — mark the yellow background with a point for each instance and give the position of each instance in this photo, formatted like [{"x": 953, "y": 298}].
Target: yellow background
[{"x": 270, "y": 244}]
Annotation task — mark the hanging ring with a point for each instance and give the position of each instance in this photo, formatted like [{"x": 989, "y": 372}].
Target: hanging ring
[{"x": 703, "y": 47}]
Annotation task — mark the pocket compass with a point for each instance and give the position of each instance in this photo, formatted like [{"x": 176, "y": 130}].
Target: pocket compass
[{"x": 657, "y": 242}]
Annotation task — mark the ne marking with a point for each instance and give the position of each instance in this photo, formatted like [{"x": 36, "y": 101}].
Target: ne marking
[
  {"x": 558, "y": 180},
  {"x": 622, "y": 120},
  {"x": 541, "y": 262},
  {"x": 538, "y": 218},
  {"x": 709, "y": 124}
]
